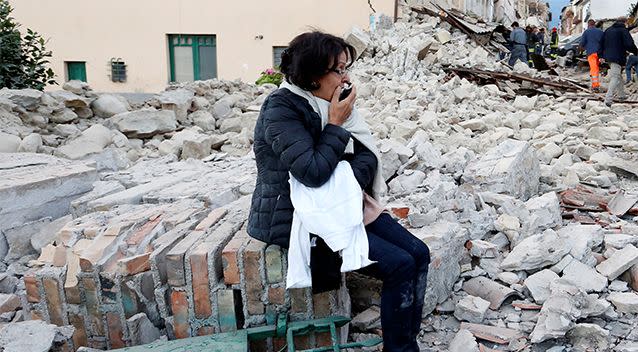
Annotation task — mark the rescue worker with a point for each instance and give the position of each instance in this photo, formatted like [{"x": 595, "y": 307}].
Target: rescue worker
[
  {"x": 590, "y": 42},
  {"x": 531, "y": 44},
  {"x": 553, "y": 44},
  {"x": 518, "y": 38},
  {"x": 615, "y": 44}
]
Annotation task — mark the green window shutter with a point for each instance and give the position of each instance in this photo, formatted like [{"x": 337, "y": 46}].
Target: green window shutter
[
  {"x": 192, "y": 57},
  {"x": 76, "y": 70}
]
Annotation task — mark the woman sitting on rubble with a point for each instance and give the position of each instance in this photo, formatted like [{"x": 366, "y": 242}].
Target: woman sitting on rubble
[{"x": 308, "y": 140}]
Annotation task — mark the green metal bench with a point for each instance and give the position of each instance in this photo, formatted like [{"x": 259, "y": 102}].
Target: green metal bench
[{"x": 238, "y": 341}]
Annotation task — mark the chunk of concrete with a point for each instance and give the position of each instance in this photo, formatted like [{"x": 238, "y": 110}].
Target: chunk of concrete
[
  {"x": 536, "y": 252},
  {"x": 626, "y": 302},
  {"x": 463, "y": 341},
  {"x": 33, "y": 336},
  {"x": 585, "y": 337},
  {"x": 471, "y": 309},
  {"x": 358, "y": 39},
  {"x": 92, "y": 140},
  {"x": 584, "y": 277},
  {"x": 145, "y": 122},
  {"x": 36, "y": 186},
  {"x": 619, "y": 262},
  {"x": 511, "y": 168},
  {"x": 538, "y": 284},
  {"x": 108, "y": 105},
  {"x": 565, "y": 305},
  {"x": 141, "y": 330}
]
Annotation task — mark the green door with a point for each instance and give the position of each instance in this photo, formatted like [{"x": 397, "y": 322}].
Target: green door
[
  {"x": 192, "y": 57},
  {"x": 76, "y": 70}
]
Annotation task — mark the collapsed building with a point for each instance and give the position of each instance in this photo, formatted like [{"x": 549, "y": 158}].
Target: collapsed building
[{"x": 123, "y": 220}]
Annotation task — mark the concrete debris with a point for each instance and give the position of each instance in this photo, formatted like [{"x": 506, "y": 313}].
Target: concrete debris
[
  {"x": 589, "y": 336},
  {"x": 619, "y": 262},
  {"x": 538, "y": 284},
  {"x": 536, "y": 252},
  {"x": 471, "y": 309},
  {"x": 123, "y": 215},
  {"x": 510, "y": 168},
  {"x": 34, "y": 336},
  {"x": 464, "y": 341}
]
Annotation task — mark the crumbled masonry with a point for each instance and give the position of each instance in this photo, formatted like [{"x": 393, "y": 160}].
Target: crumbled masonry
[{"x": 122, "y": 217}]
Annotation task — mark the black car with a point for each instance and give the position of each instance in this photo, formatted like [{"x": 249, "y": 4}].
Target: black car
[{"x": 569, "y": 47}]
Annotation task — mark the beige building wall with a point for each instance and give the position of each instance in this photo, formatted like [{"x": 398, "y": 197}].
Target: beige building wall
[{"x": 95, "y": 31}]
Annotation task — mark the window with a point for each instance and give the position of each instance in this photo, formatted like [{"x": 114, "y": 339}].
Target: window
[
  {"x": 276, "y": 55},
  {"x": 76, "y": 70},
  {"x": 118, "y": 70},
  {"x": 192, "y": 57}
]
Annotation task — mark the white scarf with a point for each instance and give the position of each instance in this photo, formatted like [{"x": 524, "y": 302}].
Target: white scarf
[{"x": 357, "y": 127}]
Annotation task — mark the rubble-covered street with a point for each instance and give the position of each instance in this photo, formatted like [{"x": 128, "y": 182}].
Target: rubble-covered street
[{"x": 122, "y": 216}]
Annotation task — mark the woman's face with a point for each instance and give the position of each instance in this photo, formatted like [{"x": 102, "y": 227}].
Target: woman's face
[{"x": 333, "y": 79}]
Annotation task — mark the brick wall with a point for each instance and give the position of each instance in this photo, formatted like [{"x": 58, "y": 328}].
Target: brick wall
[{"x": 190, "y": 269}]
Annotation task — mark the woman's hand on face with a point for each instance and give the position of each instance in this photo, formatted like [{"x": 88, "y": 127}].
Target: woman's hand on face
[{"x": 341, "y": 110}]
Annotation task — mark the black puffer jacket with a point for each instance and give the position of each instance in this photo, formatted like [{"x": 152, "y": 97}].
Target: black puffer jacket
[
  {"x": 616, "y": 43},
  {"x": 288, "y": 138}
]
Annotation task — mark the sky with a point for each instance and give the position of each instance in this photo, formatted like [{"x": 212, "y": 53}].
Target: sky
[
  {"x": 555, "y": 6},
  {"x": 603, "y": 8}
]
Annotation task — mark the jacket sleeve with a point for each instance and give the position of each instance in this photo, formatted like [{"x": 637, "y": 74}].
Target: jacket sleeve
[
  {"x": 309, "y": 162},
  {"x": 364, "y": 164},
  {"x": 601, "y": 50}
]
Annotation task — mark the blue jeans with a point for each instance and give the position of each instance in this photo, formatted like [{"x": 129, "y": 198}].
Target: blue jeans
[
  {"x": 519, "y": 52},
  {"x": 402, "y": 265},
  {"x": 632, "y": 61}
]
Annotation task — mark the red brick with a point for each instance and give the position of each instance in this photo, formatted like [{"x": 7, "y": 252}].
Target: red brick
[
  {"x": 201, "y": 288},
  {"x": 54, "y": 301},
  {"x": 321, "y": 304},
  {"x": 227, "y": 316},
  {"x": 213, "y": 217},
  {"x": 303, "y": 342},
  {"x": 323, "y": 339},
  {"x": 175, "y": 269},
  {"x": 205, "y": 330},
  {"x": 36, "y": 315},
  {"x": 141, "y": 233},
  {"x": 279, "y": 343},
  {"x": 259, "y": 346},
  {"x": 277, "y": 295},
  {"x": 230, "y": 257},
  {"x": 135, "y": 265},
  {"x": 72, "y": 295},
  {"x": 92, "y": 302},
  {"x": 31, "y": 284},
  {"x": 79, "y": 335},
  {"x": 400, "y": 211},
  {"x": 116, "y": 336},
  {"x": 298, "y": 300},
  {"x": 254, "y": 284},
  {"x": 179, "y": 306}
]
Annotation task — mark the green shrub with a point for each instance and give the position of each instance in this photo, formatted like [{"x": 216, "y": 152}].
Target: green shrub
[
  {"x": 23, "y": 59},
  {"x": 271, "y": 75}
]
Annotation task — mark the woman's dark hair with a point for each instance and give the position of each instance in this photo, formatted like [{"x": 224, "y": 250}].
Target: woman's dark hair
[{"x": 311, "y": 55}]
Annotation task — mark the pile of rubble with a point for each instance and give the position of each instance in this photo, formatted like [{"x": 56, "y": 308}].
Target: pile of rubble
[{"x": 129, "y": 223}]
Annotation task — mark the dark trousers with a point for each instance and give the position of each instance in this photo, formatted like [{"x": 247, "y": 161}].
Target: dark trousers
[{"x": 402, "y": 265}]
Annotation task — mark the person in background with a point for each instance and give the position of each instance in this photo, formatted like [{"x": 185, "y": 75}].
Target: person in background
[
  {"x": 518, "y": 39},
  {"x": 590, "y": 42},
  {"x": 615, "y": 44},
  {"x": 632, "y": 62},
  {"x": 540, "y": 41},
  {"x": 531, "y": 44},
  {"x": 553, "y": 43}
]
